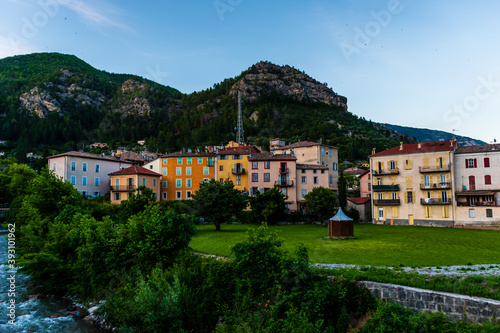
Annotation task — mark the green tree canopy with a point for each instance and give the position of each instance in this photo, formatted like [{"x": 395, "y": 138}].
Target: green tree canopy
[
  {"x": 269, "y": 206},
  {"x": 321, "y": 201},
  {"x": 218, "y": 201}
]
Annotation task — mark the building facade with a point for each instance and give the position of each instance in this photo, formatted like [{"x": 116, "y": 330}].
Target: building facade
[
  {"x": 182, "y": 173},
  {"x": 308, "y": 152},
  {"x": 88, "y": 173},
  {"x": 232, "y": 163},
  {"x": 477, "y": 179},
  {"x": 125, "y": 182},
  {"x": 309, "y": 176},
  {"x": 413, "y": 184}
]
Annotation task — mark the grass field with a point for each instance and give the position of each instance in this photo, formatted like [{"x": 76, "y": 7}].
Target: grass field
[{"x": 378, "y": 245}]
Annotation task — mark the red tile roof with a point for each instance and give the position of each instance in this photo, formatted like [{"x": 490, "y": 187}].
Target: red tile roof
[
  {"x": 192, "y": 154},
  {"x": 359, "y": 200},
  {"x": 312, "y": 166},
  {"x": 244, "y": 150},
  {"x": 477, "y": 149},
  {"x": 271, "y": 156},
  {"x": 356, "y": 172},
  {"x": 302, "y": 144},
  {"x": 88, "y": 155},
  {"x": 135, "y": 170},
  {"x": 412, "y": 148}
]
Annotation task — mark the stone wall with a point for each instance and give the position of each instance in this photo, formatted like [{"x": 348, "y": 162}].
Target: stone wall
[{"x": 456, "y": 307}]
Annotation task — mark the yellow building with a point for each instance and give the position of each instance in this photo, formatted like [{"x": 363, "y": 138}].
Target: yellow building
[
  {"x": 232, "y": 163},
  {"x": 125, "y": 182},
  {"x": 182, "y": 174},
  {"x": 413, "y": 184}
]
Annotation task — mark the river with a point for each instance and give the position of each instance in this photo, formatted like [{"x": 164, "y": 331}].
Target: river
[{"x": 40, "y": 315}]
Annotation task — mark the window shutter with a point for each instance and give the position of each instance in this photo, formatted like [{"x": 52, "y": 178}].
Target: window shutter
[
  {"x": 388, "y": 165},
  {"x": 406, "y": 197},
  {"x": 437, "y": 162},
  {"x": 422, "y": 180},
  {"x": 396, "y": 164},
  {"x": 466, "y": 163},
  {"x": 486, "y": 162},
  {"x": 475, "y": 163},
  {"x": 413, "y": 196}
]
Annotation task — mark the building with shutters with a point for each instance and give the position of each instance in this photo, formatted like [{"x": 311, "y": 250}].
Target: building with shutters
[
  {"x": 413, "y": 184},
  {"x": 232, "y": 163},
  {"x": 125, "y": 182}
]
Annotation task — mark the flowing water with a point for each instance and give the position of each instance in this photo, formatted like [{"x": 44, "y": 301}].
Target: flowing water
[{"x": 44, "y": 314}]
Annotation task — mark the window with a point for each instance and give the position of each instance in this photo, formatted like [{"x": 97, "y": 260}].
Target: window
[
  {"x": 178, "y": 195},
  {"x": 409, "y": 197},
  {"x": 165, "y": 171},
  {"x": 369, "y": 187},
  {"x": 380, "y": 196},
  {"x": 84, "y": 167},
  {"x": 379, "y": 181},
  {"x": 323, "y": 172},
  {"x": 238, "y": 179},
  {"x": 73, "y": 166},
  {"x": 381, "y": 214},
  {"x": 315, "y": 180},
  {"x": 472, "y": 213},
  {"x": 444, "y": 196},
  {"x": 164, "y": 195},
  {"x": 267, "y": 177},
  {"x": 205, "y": 171},
  {"x": 427, "y": 181},
  {"x": 178, "y": 183},
  {"x": 322, "y": 151},
  {"x": 73, "y": 180},
  {"x": 179, "y": 160},
  {"x": 154, "y": 182},
  {"x": 255, "y": 177},
  {"x": 188, "y": 171},
  {"x": 236, "y": 157},
  {"x": 486, "y": 162},
  {"x": 471, "y": 163},
  {"x": 97, "y": 168},
  {"x": 117, "y": 196},
  {"x": 489, "y": 212},
  {"x": 303, "y": 171},
  {"x": 54, "y": 166},
  {"x": 200, "y": 160},
  {"x": 178, "y": 171},
  {"x": 84, "y": 181},
  {"x": 303, "y": 192},
  {"x": 407, "y": 164},
  {"x": 284, "y": 191},
  {"x": 330, "y": 153},
  {"x": 221, "y": 168},
  {"x": 304, "y": 179},
  {"x": 394, "y": 196},
  {"x": 165, "y": 161},
  {"x": 331, "y": 178},
  {"x": 487, "y": 180},
  {"x": 335, "y": 167},
  {"x": 315, "y": 171},
  {"x": 96, "y": 181},
  {"x": 150, "y": 167},
  {"x": 189, "y": 160},
  {"x": 222, "y": 157},
  {"x": 144, "y": 181},
  {"x": 164, "y": 184},
  {"x": 205, "y": 180},
  {"x": 267, "y": 165},
  {"x": 392, "y": 165},
  {"x": 255, "y": 165},
  {"x": 188, "y": 182},
  {"x": 188, "y": 194},
  {"x": 254, "y": 190}
]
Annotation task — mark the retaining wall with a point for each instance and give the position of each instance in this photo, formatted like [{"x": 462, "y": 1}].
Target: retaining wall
[{"x": 454, "y": 306}]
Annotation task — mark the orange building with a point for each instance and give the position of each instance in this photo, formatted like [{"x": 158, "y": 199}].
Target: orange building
[
  {"x": 125, "y": 182},
  {"x": 182, "y": 174}
]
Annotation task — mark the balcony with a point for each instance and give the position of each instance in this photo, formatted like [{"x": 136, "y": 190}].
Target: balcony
[
  {"x": 386, "y": 202},
  {"x": 284, "y": 171},
  {"x": 436, "y": 186},
  {"x": 238, "y": 171},
  {"x": 123, "y": 188},
  {"x": 444, "y": 168},
  {"x": 430, "y": 202},
  {"x": 385, "y": 188},
  {"x": 283, "y": 183},
  {"x": 386, "y": 172}
]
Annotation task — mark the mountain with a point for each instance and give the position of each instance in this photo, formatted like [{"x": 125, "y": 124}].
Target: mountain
[
  {"x": 56, "y": 101},
  {"x": 428, "y": 135}
]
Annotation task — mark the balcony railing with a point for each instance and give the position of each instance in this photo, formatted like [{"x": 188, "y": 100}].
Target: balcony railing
[
  {"x": 444, "y": 168},
  {"x": 123, "y": 188},
  {"x": 394, "y": 171},
  {"x": 284, "y": 171},
  {"x": 382, "y": 188},
  {"x": 238, "y": 171},
  {"x": 477, "y": 204},
  {"x": 436, "y": 186},
  {"x": 282, "y": 183},
  {"x": 387, "y": 202},
  {"x": 430, "y": 201}
]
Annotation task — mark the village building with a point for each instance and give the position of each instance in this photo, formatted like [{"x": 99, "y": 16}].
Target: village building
[
  {"x": 125, "y": 182},
  {"x": 232, "y": 163}
]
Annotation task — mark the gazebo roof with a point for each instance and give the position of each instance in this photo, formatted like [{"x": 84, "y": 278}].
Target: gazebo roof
[{"x": 340, "y": 216}]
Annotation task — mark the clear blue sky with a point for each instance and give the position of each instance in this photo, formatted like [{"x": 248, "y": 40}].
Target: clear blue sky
[{"x": 431, "y": 64}]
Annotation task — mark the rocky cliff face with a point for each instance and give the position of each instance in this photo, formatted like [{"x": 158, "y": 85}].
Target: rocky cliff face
[{"x": 265, "y": 77}]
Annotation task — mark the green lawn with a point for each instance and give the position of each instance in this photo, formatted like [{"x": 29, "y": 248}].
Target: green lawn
[{"x": 373, "y": 244}]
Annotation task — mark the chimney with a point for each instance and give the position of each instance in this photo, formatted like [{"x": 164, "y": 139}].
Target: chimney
[
  {"x": 373, "y": 151},
  {"x": 451, "y": 143},
  {"x": 419, "y": 146},
  {"x": 401, "y": 145}
]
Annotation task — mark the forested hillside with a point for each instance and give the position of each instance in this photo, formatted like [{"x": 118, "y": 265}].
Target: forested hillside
[{"x": 58, "y": 102}]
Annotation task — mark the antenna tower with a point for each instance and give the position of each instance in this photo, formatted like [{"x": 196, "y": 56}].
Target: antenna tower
[{"x": 240, "y": 134}]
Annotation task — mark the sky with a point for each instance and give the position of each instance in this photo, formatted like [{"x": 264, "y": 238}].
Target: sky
[{"x": 426, "y": 64}]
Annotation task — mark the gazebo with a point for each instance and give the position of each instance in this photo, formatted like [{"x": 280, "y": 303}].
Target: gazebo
[{"x": 340, "y": 226}]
